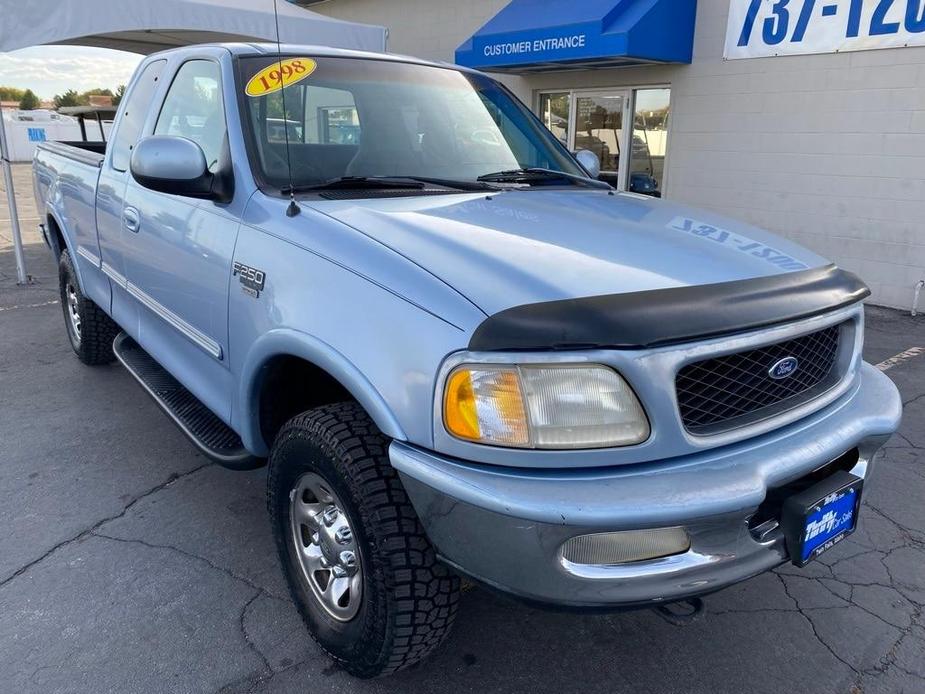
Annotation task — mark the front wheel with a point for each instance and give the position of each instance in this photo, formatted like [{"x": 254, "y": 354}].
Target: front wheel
[
  {"x": 90, "y": 331},
  {"x": 359, "y": 566}
]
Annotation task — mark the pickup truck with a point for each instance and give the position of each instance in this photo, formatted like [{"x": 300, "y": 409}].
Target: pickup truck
[{"x": 459, "y": 354}]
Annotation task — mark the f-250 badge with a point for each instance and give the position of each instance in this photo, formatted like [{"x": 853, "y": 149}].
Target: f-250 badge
[{"x": 252, "y": 280}]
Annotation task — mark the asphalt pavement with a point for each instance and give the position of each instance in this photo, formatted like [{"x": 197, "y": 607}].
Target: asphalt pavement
[{"x": 128, "y": 563}]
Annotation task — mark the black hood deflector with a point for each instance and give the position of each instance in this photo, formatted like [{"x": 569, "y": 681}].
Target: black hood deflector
[{"x": 639, "y": 320}]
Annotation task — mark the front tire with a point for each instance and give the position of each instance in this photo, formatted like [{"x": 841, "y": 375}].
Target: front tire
[
  {"x": 359, "y": 566},
  {"x": 90, "y": 331}
]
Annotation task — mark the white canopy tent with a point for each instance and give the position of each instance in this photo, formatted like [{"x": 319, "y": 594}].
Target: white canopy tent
[{"x": 143, "y": 26}]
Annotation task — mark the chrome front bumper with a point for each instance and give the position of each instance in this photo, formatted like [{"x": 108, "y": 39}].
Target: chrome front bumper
[{"x": 505, "y": 526}]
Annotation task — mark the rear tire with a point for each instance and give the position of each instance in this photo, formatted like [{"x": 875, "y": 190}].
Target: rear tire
[
  {"x": 398, "y": 603},
  {"x": 90, "y": 331}
]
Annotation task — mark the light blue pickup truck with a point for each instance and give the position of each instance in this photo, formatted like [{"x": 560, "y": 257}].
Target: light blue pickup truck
[{"x": 459, "y": 352}]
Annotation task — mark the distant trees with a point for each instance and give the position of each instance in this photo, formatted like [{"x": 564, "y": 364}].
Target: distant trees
[
  {"x": 69, "y": 98},
  {"x": 29, "y": 101},
  {"x": 11, "y": 94},
  {"x": 73, "y": 98},
  {"x": 117, "y": 97}
]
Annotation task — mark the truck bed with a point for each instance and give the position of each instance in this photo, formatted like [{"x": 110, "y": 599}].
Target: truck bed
[{"x": 91, "y": 153}]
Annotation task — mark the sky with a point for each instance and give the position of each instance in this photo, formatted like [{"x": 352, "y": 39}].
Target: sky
[{"x": 50, "y": 70}]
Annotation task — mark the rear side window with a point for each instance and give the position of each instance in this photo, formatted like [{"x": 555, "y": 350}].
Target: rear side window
[{"x": 134, "y": 111}]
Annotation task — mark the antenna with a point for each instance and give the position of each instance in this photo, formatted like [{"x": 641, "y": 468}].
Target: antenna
[{"x": 293, "y": 208}]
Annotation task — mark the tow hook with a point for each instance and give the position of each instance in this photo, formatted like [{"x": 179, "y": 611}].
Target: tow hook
[{"x": 681, "y": 613}]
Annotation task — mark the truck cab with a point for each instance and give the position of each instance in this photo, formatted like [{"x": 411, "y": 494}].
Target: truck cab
[{"x": 458, "y": 353}]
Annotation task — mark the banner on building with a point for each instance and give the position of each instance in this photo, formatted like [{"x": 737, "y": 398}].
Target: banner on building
[{"x": 759, "y": 28}]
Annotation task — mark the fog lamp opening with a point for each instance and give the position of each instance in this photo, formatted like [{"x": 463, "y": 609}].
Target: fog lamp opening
[{"x": 624, "y": 547}]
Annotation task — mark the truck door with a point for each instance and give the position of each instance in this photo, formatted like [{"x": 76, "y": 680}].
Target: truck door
[
  {"x": 110, "y": 193},
  {"x": 179, "y": 251}
]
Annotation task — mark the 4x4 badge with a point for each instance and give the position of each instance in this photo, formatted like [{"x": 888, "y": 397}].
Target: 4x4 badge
[{"x": 252, "y": 280}]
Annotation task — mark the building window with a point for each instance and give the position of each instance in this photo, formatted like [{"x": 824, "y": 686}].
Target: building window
[
  {"x": 650, "y": 140},
  {"x": 554, "y": 110},
  {"x": 626, "y": 128}
]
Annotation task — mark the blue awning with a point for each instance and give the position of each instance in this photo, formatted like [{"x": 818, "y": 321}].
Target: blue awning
[{"x": 535, "y": 35}]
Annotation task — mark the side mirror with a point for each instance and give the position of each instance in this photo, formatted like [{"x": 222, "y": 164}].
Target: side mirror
[
  {"x": 175, "y": 165},
  {"x": 589, "y": 162}
]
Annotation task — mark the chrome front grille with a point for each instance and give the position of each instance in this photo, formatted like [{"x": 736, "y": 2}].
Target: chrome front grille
[{"x": 733, "y": 390}]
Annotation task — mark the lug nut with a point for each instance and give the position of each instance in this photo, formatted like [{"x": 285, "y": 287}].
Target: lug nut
[
  {"x": 338, "y": 571},
  {"x": 330, "y": 515},
  {"x": 348, "y": 559},
  {"x": 344, "y": 535}
]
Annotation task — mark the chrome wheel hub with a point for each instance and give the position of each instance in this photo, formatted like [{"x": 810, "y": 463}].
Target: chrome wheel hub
[
  {"x": 325, "y": 547},
  {"x": 73, "y": 310}
]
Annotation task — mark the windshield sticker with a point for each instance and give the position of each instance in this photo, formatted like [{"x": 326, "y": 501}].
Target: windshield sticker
[
  {"x": 733, "y": 240},
  {"x": 268, "y": 80}
]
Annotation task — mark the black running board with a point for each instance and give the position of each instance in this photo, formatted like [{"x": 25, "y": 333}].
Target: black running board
[{"x": 214, "y": 439}]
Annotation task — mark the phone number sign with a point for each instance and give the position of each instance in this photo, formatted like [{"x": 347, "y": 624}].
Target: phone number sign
[{"x": 759, "y": 28}]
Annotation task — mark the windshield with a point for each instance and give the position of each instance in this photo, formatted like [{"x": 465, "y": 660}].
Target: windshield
[{"x": 372, "y": 118}]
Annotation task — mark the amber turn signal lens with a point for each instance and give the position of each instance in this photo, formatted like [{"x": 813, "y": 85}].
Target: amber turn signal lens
[{"x": 486, "y": 405}]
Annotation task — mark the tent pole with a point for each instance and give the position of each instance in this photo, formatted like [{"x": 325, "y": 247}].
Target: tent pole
[{"x": 22, "y": 278}]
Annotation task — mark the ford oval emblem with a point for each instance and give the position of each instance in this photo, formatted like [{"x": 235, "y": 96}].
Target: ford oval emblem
[{"x": 784, "y": 368}]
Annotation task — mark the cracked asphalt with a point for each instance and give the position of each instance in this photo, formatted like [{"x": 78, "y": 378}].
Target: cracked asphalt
[{"x": 130, "y": 564}]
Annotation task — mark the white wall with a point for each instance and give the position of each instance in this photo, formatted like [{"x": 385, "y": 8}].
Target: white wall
[
  {"x": 828, "y": 150},
  {"x": 22, "y": 148}
]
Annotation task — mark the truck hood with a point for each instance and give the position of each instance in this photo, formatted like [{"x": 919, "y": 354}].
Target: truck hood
[{"x": 527, "y": 246}]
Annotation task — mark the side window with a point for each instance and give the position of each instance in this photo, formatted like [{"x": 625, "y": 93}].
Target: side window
[
  {"x": 193, "y": 108},
  {"x": 134, "y": 111}
]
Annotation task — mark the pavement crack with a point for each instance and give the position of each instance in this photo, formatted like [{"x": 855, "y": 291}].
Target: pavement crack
[
  {"x": 88, "y": 531},
  {"x": 250, "y": 683},
  {"x": 907, "y": 534},
  {"x": 267, "y": 667},
  {"x": 812, "y": 627},
  {"x": 888, "y": 661},
  {"x": 907, "y": 444},
  {"x": 196, "y": 557}
]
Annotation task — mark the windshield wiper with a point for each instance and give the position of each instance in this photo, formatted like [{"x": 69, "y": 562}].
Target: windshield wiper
[
  {"x": 453, "y": 183},
  {"x": 536, "y": 173},
  {"x": 357, "y": 183},
  {"x": 386, "y": 183}
]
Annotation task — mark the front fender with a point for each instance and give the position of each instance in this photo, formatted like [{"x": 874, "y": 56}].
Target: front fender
[{"x": 288, "y": 342}]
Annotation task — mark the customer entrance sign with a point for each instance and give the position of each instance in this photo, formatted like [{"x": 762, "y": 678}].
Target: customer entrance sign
[
  {"x": 759, "y": 28},
  {"x": 540, "y": 46},
  {"x": 531, "y": 35}
]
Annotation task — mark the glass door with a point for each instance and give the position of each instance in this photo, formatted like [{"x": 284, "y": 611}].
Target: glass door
[
  {"x": 597, "y": 124},
  {"x": 555, "y": 108}
]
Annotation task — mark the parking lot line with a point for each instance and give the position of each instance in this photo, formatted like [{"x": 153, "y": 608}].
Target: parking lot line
[
  {"x": 14, "y": 308},
  {"x": 910, "y": 353}
]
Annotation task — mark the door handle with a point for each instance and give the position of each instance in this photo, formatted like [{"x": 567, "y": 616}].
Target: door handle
[{"x": 131, "y": 219}]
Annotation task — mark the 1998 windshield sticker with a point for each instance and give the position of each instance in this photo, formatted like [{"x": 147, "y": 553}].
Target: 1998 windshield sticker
[
  {"x": 739, "y": 243},
  {"x": 280, "y": 74}
]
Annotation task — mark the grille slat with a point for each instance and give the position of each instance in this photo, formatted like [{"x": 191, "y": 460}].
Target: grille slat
[{"x": 733, "y": 390}]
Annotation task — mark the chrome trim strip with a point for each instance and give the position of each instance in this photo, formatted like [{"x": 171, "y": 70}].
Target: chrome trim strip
[
  {"x": 202, "y": 341},
  {"x": 114, "y": 274},
  {"x": 87, "y": 255}
]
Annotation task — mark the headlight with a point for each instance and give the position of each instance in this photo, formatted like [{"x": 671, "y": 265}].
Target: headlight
[{"x": 543, "y": 407}]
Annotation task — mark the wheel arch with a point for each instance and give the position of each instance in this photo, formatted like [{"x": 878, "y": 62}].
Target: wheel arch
[
  {"x": 56, "y": 234},
  {"x": 60, "y": 242},
  {"x": 315, "y": 364}
]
